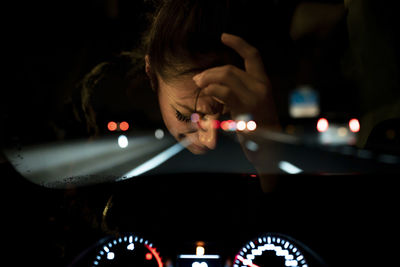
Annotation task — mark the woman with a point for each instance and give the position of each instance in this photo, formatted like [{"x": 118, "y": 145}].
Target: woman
[
  {"x": 201, "y": 58},
  {"x": 196, "y": 67}
]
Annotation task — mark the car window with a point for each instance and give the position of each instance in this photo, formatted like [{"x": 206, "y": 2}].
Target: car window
[
  {"x": 84, "y": 107},
  {"x": 200, "y": 133}
]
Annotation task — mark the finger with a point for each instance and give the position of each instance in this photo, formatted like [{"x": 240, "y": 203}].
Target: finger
[
  {"x": 227, "y": 75},
  {"x": 252, "y": 59},
  {"x": 232, "y": 77},
  {"x": 220, "y": 93},
  {"x": 233, "y": 100}
]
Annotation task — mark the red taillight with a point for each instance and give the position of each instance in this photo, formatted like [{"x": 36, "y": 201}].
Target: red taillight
[
  {"x": 354, "y": 125},
  {"x": 124, "y": 126},
  {"x": 322, "y": 125},
  {"x": 112, "y": 126}
]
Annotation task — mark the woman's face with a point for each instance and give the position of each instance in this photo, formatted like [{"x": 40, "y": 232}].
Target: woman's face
[{"x": 177, "y": 101}]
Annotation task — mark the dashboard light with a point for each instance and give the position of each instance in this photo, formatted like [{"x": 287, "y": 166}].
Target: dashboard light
[
  {"x": 322, "y": 125},
  {"x": 112, "y": 126},
  {"x": 110, "y": 255},
  {"x": 251, "y": 125},
  {"x": 149, "y": 256},
  {"x": 200, "y": 250},
  {"x": 354, "y": 125},
  {"x": 124, "y": 126},
  {"x": 199, "y": 264}
]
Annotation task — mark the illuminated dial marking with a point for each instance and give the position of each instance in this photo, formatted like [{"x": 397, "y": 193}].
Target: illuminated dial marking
[
  {"x": 270, "y": 250},
  {"x": 128, "y": 249}
]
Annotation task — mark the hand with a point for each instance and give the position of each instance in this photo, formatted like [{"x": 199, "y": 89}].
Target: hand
[{"x": 241, "y": 91}]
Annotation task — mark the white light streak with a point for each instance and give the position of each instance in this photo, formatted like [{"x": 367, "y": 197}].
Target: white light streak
[
  {"x": 189, "y": 256},
  {"x": 153, "y": 162},
  {"x": 289, "y": 168}
]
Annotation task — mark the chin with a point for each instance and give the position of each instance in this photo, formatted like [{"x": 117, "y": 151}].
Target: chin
[{"x": 197, "y": 150}]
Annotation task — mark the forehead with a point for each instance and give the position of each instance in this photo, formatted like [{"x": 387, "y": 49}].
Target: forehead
[{"x": 182, "y": 88}]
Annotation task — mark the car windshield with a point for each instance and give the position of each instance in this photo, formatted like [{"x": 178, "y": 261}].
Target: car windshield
[
  {"x": 84, "y": 107},
  {"x": 201, "y": 133}
]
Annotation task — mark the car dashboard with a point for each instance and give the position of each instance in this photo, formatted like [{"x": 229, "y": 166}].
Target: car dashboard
[{"x": 206, "y": 220}]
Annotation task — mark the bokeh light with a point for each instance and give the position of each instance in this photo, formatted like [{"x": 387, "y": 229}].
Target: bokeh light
[
  {"x": 195, "y": 117},
  {"x": 216, "y": 124},
  {"x": 241, "y": 125},
  {"x": 251, "y": 125},
  {"x": 322, "y": 125},
  {"x": 354, "y": 125},
  {"x": 225, "y": 125},
  {"x": 149, "y": 256},
  {"x": 123, "y": 141},
  {"x": 112, "y": 126},
  {"x": 232, "y": 125},
  {"x": 159, "y": 134},
  {"x": 124, "y": 126}
]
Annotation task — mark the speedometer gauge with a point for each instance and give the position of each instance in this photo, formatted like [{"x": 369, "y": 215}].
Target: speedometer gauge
[
  {"x": 127, "y": 250},
  {"x": 270, "y": 250}
]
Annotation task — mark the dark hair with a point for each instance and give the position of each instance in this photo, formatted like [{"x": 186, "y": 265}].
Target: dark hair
[{"x": 185, "y": 35}]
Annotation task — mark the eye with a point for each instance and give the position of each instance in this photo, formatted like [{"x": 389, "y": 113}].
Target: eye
[{"x": 182, "y": 117}]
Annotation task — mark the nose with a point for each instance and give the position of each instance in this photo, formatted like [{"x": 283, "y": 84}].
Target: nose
[{"x": 207, "y": 133}]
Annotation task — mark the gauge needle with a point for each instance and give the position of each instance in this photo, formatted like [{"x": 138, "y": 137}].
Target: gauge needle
[{"x": 247, "y": 263}]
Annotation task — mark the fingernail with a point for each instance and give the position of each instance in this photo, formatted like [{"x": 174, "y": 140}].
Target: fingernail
[
  {"x": 197, "y": 77},
  {"x": 223, "y": 36}
]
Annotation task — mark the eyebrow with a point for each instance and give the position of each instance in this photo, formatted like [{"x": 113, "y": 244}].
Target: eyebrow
[{"x": 189, "y": 108}]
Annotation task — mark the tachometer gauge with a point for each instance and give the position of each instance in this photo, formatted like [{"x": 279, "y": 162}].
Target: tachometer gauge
[
  {"x": 270, "y": 250},
  {"x": 127, "y": 250}
]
